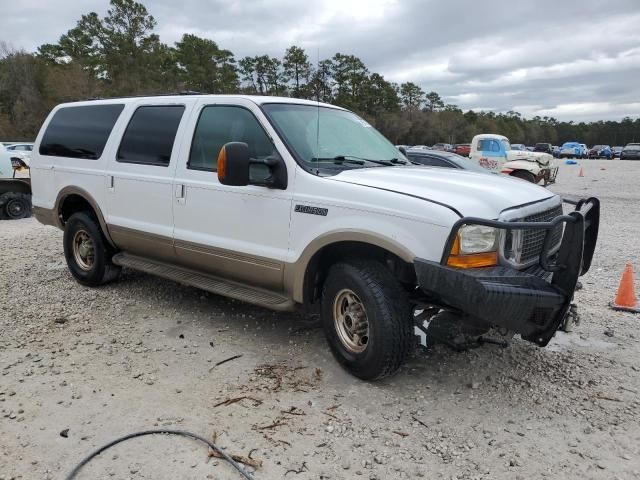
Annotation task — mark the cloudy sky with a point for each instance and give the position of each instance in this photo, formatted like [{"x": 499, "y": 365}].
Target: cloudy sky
[{"x": 571, "y": 59}]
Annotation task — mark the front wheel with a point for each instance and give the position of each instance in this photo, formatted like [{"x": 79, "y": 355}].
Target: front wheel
[
  {"x": 87, "y": 251},
  {"x": 366, "y": 319}
]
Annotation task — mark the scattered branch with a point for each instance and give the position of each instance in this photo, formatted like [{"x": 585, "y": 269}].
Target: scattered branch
[
  {"x": 231, "y": 401},
  {"x": 303, "y": 468},
  {"x": 238, "y": 458},
  {"x": 225, "y": 361}
]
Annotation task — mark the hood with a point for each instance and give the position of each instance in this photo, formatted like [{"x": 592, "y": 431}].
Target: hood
[
  {"x": 471, "y": 194},
  {"x": 541, "y": 157}
]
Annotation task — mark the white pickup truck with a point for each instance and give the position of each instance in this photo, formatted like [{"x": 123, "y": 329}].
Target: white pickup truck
[
  {"x": 494, "y": 153},
  {"x": 286, "y": 203}
]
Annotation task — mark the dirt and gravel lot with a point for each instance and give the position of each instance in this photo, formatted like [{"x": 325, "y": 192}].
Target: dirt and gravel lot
[{"x": 82, "y": 366}]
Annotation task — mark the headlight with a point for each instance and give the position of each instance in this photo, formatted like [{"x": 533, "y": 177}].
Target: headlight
[
  {"x": 475, "y": 246},
  {"x": 477, "y": 239}
]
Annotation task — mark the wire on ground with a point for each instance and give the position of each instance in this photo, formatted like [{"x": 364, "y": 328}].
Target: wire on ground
[{"x": 182, "y": 433}]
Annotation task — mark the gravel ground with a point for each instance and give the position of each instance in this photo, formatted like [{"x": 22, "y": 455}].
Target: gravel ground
[{"x": 82, "y": 366}]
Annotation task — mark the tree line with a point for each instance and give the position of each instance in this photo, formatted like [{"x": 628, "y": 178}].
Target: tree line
[{"x": 120, "y": 55}]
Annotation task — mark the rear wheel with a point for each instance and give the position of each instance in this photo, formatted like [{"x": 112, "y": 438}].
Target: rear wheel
[
  {"x": 87, "y": 251},
  {"x": 366, "y": 319},
  {"x": 524, "y": 175},
  {"x": 15, "y": 205}
]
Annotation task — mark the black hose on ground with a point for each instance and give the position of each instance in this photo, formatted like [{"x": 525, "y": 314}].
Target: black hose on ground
[{"x": 182, "y": 433}]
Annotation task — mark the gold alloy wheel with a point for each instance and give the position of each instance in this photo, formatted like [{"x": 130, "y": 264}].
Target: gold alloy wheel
[
  {"x": 351, "y": 322},
  {"x": 83, "y": 250}
]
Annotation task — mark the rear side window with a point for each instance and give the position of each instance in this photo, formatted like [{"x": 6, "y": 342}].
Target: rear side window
[
  {"x": 80, "y": 132},
  {"x": 431, "y": 161},
  {"x": 150, "y": 134}
]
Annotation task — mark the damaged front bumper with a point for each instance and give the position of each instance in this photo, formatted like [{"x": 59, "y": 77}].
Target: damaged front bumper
[{"x": 532, "y": 302}]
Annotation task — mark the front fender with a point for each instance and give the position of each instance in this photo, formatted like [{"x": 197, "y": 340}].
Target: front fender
[{"x": 532, "y": 167}]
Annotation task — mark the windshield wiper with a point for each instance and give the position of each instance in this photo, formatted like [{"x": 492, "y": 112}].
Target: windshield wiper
[
  {"x": 397, "y": 161},
  {"x": 340, "y": 159}
]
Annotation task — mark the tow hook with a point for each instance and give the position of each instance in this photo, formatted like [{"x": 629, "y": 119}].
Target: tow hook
[{"x": 571, "y": 319}]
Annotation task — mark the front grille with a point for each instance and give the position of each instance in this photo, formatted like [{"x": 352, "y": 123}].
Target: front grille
[{"x": 533, "y": 240}]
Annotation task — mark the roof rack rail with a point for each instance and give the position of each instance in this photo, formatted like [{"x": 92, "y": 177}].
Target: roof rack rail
[{"x": 168, "y": 94}]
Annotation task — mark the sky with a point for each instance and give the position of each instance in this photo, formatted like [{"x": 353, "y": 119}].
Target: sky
[{"x": 569, "y": 59}]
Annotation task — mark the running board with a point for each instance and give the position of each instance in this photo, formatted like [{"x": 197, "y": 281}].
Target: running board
[{"x": 210, "y": 283}]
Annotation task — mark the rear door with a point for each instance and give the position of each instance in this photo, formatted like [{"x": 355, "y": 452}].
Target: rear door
[
  {"x": 139, "y": 181},
  {"x": 241, "y": 233}
]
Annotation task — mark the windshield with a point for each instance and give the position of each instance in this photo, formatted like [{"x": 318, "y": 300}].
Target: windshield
[
  {"x": 323, "y": 136},
  {"x": 632, "y": 147}
]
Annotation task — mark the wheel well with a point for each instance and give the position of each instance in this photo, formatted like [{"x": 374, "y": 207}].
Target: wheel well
[
  {"x": 324, "y": 258},
  {"x": 523, "y": 174},
  {"x": 72, "y": 204},
  {"x": 14, "y": 186}
]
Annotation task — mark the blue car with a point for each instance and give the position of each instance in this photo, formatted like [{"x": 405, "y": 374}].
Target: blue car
[{"x": 572, "y": 150}]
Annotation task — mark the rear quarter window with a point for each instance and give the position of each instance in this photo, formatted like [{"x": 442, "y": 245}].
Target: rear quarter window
[{"x": 80, "y": 132}]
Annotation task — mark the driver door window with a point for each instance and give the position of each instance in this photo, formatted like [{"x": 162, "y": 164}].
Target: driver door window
[{"x": 218, "y": 125}]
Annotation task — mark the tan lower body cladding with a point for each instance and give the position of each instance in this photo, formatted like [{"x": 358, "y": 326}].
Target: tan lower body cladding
[{"x": 240, "y": 267}]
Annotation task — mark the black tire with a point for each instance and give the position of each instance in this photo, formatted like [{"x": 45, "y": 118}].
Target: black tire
[
  {"x": 99, "y": 269},
  {"x": 15, "y": 206},
  {"x": 524, "y": 175},
  {"x": 390, "y": 324}
]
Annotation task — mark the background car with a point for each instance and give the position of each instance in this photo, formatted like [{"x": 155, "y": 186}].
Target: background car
[
  {"x": 439, "y": 158},
  {"x": 519, "y": 146},
  {"x": 555, "y": 151},
  {"x": 447, "y": 147},
  {"x": 616, "y": 151},
  {"x": 462, "y": 149},
  {"x": 20, "y": 150},
  {"x": 572, "y": 150},
  {"x": 543, "y": 147},
  {"x": 630, "y": 152},
  {"x": 600, "y": 151},
  {"x": 20, "y": 147}
]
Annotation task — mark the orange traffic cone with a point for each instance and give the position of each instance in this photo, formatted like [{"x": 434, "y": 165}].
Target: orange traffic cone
[
  {"x": 581, "y": 174},
  {"x": 626, "y": 298}
]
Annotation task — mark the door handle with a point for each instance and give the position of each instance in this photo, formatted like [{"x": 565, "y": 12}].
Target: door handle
[
  {"x": 111, "y": 184},
  {"x": 180, "y": 193}
]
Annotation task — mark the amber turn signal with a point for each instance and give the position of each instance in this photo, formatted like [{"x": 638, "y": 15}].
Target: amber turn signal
[{"x": 472, "y": 260}]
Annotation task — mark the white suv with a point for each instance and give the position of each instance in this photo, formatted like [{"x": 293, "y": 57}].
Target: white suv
[{"x": 284, "y": 203}]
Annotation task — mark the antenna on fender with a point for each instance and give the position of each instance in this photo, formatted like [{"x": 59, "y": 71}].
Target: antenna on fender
[{"x": 317, "y": 155}]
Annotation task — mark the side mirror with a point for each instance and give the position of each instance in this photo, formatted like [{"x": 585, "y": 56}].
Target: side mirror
[
  {"x": 403, "y": 151},
  {"x": 233, "y": 164}
]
